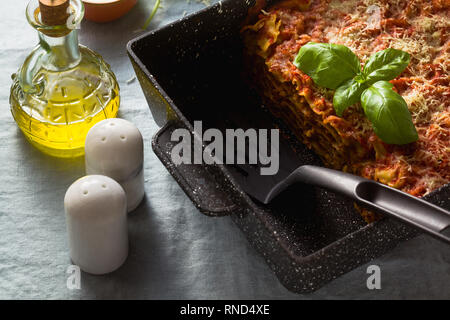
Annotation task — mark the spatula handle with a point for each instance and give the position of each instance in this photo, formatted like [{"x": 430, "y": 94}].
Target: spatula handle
[{"x": 381, "y": 198}]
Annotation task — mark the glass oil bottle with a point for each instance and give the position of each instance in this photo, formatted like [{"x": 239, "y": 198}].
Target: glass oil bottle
[{"x": 63, "y": 88}]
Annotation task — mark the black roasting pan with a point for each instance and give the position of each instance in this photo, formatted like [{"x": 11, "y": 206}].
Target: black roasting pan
[{"x": 192, "y": 70}]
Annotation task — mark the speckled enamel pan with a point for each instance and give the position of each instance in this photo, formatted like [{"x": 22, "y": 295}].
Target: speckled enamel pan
[{"x": 192, "y": 70}]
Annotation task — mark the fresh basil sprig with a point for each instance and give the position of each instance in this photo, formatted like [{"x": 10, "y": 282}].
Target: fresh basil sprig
[
  {"x": 336, "y": 67},
  {"x": 316, "y": 58},
  {"x": 385, "y": 65},
  {"x": 389, "y": 114},
  {"x": 347, "y": 94}
]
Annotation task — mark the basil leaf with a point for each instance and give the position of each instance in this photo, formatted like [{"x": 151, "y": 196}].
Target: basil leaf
[
  {"x": 346, "y": 95},
  {"x": 389, "y": 114},
  {"x": 385, "y": 65},
  {"x": 329, "y": 65}
]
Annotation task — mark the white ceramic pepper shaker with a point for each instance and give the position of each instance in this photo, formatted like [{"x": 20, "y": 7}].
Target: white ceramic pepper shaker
[
  {"x": 96, "y": 217},
  {"x": 114, "y": 148}
]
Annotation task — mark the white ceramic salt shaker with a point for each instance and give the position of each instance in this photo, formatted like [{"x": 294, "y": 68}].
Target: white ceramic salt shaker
[
  {"x": 96, "y": 217},
  {"x": 114, "y": 148}
]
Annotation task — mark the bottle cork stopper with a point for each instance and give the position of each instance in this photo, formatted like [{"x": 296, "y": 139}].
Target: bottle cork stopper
[{"x": 54, "y": 12}]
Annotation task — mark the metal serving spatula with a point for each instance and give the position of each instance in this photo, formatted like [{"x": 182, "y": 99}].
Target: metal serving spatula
[{"x": 372, "y": 195}]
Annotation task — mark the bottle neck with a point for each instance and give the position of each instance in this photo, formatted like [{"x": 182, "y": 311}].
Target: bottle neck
[{"x": 62, "y": 52}]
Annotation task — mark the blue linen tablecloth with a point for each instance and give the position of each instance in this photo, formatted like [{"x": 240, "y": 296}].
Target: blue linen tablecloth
[{"x": 175, "y": 252}]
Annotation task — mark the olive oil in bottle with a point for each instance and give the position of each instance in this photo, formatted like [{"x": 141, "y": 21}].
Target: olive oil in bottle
[{"x": 63, "y": 88}]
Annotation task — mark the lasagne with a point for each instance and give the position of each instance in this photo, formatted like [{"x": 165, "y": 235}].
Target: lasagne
[{"x": 348, "y": 143}]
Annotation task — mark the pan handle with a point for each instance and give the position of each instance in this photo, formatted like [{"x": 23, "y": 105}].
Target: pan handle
[
  {"x": 378, "y": 197},
  {"x": 200, "y": 183}
]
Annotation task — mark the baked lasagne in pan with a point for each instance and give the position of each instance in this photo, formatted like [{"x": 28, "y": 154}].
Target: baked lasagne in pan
[{"x": 348, "y": 143}]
